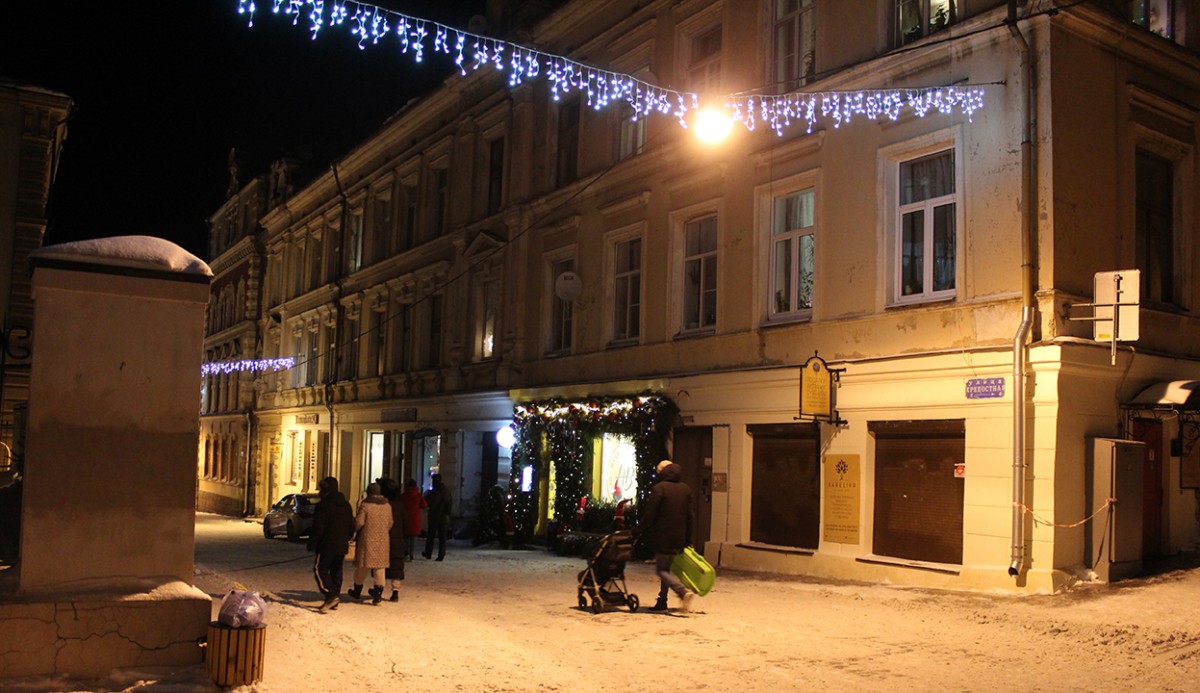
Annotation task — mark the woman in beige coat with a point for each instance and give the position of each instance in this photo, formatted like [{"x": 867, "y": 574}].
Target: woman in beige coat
[{"x": 371, "y": 546}]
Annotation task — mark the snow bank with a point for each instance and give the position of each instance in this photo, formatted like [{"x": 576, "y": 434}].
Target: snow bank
[{"x": 140, "y": 252}]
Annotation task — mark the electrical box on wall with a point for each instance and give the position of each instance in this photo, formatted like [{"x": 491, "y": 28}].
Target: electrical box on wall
[{"x": 1113, "y": 542}]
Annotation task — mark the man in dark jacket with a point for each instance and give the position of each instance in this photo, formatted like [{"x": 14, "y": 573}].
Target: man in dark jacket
[
  {"x": 333, "y": 527},
  {"x": 667, "y": 526}
]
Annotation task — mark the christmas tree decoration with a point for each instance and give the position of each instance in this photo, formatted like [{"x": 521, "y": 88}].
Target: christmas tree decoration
[{"x": 372, "y": 25}]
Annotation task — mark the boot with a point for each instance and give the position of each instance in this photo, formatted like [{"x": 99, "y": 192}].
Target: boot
[
  {"x": 395, "y": 596},
  {"x": 330, "y": 604},
  {"x": 355, "y": 592},
  {"x": 660, "y": 605},
  {"x": 376, "y": 595}
]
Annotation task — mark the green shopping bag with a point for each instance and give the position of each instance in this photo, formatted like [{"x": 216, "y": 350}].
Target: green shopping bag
[{"x": 693, "y": 571}]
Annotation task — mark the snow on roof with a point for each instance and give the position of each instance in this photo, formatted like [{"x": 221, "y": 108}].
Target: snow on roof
[{"x": 141, "y": 252}]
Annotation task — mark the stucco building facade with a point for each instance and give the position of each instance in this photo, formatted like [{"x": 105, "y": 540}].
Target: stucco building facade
[{"x": 494, "y": 246}]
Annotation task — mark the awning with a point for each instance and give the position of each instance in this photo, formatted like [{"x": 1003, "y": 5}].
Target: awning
[{"x": 1183, "y": 395}]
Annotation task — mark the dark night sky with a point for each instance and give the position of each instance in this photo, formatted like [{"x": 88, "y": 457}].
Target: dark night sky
[{"x": 163, "y": 90}]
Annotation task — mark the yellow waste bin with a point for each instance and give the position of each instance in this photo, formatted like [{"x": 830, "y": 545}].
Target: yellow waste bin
[{"x": 234, "y": 656}]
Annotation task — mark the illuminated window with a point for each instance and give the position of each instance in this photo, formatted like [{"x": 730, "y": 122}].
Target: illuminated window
[
  {"x": 917, "y": 18},
  {"x": 618, "y": 468},
  {"x": 704, "y": 60},
  {"x": 792, "y": 231},
  {"x": 925, "y": 226},
  {"x": 795, "y": 43}
]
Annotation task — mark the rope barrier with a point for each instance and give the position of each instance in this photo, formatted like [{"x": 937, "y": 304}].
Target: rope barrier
[{"x": 1038, "y": 520}]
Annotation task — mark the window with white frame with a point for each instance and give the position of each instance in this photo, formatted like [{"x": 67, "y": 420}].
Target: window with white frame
[
  {"x": 1159, "y": 16},
  {"x": 699, "y": 298},
  {"x": 795, "y": 43},
  {"x": 562, "y": 311},
  {"x": 627, "y": 289},
  {"x": 918, "y": 18},
  {"x": 793, "y": 227},
  {"x": 489, "y": 308},
  {"x": 704, "y": 60},
  {"x": 926, "y": 227},
  {"x": 631, "y": 134}
]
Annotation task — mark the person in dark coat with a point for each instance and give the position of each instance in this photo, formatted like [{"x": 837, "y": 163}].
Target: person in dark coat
[
  {"x": 439, "y": 501},
  {"x": 333, "y": 527},
  {"x": 667, "y": 527},
  {"x": 397, "y": 535}
]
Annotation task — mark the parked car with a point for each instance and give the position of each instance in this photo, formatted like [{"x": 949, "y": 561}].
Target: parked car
[{"x": 291, "y": 515}]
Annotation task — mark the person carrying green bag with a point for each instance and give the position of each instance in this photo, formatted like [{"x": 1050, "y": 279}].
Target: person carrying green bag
[{"x": 667, "y": 525}]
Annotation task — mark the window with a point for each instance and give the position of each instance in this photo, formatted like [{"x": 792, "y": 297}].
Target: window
[
  {"x": 927, "y": 228},
  {"x": 632, "y": 133},
  {"x": 314, "y": 353},
  {"x": 495, "y": 175},
  {"x": 314, "y": 250},
  {"x": 785, "y": 486},
  {"x": 490, "y": 307},
  {"x": 409, "y": 195},
  {"x": 1154, "y": 236},
  {"x": 792, "y": 227},
  {"x": 1156, "y": 15},
  {"x": 381, "y": 222},
  {"x": 433, "y": 333},
  {"x": 704, "y": 61},
  {"x": 917, "y": 18},
  {"x": 627, "y": 290},
  {"x": 795, "y": 43},
  {"x": 354, "y": 242},
  {"x": 349, "y": 348},
  {"x": 616, "y": 468},
  {"x": 568, "y": 142},
  {"x": 441, "y": 201},
  {"x": 700, "y": 274},
  {"x": 561, "y": 310},
  {"x": 298, "y": 352},
  {"x": 377, "y": 341},
  {"x": 328, "y": 372}
]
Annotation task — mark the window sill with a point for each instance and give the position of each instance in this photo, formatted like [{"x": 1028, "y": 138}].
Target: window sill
[
  {"x": 693, "y": 334},
  {"x": 624, "y": 343},
  {"x": 557, "y": 354},
  {"x": 944, "y": 568},
  {"x": 919, "y": 302},
  {"x": 788, "y": 320},
  {"x": 775, "y": 548}
]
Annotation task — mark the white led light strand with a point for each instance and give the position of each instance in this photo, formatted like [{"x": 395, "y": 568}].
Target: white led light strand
[
  {"x": 224, "y": 367},
  {"x": 371, "y": 24}
]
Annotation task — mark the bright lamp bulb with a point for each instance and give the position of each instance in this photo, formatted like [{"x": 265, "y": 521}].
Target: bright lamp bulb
[{"x": 713, "y": 124}]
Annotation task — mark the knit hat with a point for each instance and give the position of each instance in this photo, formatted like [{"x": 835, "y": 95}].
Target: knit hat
[{"x": 662, "y": 465}]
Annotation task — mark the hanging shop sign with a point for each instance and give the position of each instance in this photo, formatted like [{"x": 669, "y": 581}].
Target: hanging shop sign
[{"x": 818, "y": 391}]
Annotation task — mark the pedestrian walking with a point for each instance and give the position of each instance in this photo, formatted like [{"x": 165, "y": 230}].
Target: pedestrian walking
[
  {"x": 329, "y": 539},
  {"x": 667, "y": 526},
  {"x": 390, "y": 488},
  {"x": 438, "y": 498},
  {"x": 414, "y": 503},
  {"x": 371, "y": 548}
]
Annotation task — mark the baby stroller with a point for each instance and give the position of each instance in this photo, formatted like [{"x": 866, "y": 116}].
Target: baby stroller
[{"x": 604, "y": 577}]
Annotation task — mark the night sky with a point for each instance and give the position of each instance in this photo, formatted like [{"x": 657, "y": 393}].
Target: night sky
[{"x": 163, "y": 90}]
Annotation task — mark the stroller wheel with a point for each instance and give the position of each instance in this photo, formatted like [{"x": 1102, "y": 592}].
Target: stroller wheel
[
  {"x": 582, "y": 600},
  {"x": 597, "y": 605},
  {"x": 632, "y": 601}
]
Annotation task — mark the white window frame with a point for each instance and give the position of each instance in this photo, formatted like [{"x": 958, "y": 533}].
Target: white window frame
[
  {"x": 694, "y": 27},
  {"x": 803, "y": 62},
  {"x": 552, "y": 260},
  {"x": 679, "y": 221},
  {"x": 765, "y": 198},
  {"x": 613, "y": 240},
  {"x": 890, "y": 159}
]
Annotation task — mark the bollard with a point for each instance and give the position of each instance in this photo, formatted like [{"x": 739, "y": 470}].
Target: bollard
[{"x": 234, "y": 656}]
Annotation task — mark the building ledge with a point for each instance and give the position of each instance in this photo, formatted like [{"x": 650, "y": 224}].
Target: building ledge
[{"x": 944, "y": 568}]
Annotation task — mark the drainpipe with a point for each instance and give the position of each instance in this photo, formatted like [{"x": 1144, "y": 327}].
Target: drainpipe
[
  {"x": 246, "y": 501},
  {"x": 1028, "y": 280}
]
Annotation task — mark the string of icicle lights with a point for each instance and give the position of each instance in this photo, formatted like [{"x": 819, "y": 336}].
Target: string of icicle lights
[
  {"x": 372, "y": 24},
  {"x": 223, "y": 367}
]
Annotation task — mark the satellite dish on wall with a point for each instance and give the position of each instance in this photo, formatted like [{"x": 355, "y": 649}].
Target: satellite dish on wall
[{"x": 568, "y": 286}]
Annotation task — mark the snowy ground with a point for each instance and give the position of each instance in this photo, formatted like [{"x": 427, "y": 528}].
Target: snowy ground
[{"x": 494, "y": 620}]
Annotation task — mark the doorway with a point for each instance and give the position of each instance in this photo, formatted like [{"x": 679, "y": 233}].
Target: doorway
[
  {"x": 692, "y": 450},
  {"x": 1150, "y": 432}
]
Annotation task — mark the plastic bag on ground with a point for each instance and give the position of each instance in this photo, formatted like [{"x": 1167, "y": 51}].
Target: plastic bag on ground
[{"x": 242, "y": 609}]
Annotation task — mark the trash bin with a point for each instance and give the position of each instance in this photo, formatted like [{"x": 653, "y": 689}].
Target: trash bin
[{"x": 234, "y": 656}]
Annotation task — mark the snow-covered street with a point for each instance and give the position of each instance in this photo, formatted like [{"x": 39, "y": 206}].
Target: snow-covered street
[{"x": 490, "y": 619}]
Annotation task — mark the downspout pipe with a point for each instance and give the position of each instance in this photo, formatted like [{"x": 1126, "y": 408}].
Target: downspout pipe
[{"x": 1028, "y": 305}]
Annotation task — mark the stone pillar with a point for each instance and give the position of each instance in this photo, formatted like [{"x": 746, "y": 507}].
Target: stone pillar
[
  {"x": 108, "y": 513},
  {"x": 114, "y": 416}
]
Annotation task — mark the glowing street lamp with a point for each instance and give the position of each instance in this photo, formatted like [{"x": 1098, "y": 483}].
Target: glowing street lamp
[{"x": 713, "y": 124}]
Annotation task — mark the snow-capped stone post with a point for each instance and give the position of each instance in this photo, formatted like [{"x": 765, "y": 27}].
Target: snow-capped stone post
[{"x": 108, "y": 512}]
